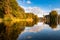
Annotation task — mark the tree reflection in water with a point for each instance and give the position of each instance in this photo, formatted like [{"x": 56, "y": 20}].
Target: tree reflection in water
[
  {"x": 52, "y": 25},
  {"x": 11, "y": 30}
]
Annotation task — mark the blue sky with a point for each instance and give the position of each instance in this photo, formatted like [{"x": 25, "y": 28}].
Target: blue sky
[{"x": 46, "y": 5}]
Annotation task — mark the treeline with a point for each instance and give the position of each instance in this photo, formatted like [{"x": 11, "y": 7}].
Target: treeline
[
  {"x": 9, "y": 10},
  {"x": 52, "y": 19},
  {"x": 33, "y": 17}
]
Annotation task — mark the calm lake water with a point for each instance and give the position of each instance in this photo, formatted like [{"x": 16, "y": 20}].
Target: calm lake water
[
  {"x": 40, "y": 31},
  {"x": 21, "y": 31}
]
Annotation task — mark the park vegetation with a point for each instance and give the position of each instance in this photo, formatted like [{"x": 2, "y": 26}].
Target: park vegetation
[
  {"x": 52, "y": 19},
  {"x": 14, "y": 19}
]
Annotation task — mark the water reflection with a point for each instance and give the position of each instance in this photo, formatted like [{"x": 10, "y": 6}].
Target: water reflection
[
  {"x": 2, "y": 31},
  {"x": 40, "y": 32},
  {"x": 52, "y": 24},
  {"x": 10, "y": 30},
  {"x": 13, "y": 30}
]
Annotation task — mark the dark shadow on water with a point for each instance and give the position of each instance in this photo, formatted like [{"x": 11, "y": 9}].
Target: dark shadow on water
[
  {"x": 11, "y": 31},
  {"x": 52, "y": 25},
  {"x": 2, "y": 31}
]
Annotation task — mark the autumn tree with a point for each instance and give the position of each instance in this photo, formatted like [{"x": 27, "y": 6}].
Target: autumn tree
[
  {"x": 53, "y": 18},
  {"x": 2, "y": 8},
  {"x": 33, "y": 17}
]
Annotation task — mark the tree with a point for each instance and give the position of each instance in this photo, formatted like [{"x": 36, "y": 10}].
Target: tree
[{"x": 53, "y": 18}]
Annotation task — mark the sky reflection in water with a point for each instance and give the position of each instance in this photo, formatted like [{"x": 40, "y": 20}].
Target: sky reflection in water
[{"x": 40, "y": 32}]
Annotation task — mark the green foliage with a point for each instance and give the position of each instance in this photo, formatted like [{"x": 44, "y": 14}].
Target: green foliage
[
  {"x": 16, "y": 10},
  {"x": 34, "y": 17},
  {"x": 2, "y": 8},
  {"x": 53, "y": 18},
  {"x": 10, "y": 9}
]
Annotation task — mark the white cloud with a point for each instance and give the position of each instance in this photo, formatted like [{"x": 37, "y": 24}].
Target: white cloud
[
  {"x": 56, "y": 29},
  {"x": 58, "y": 10},
  {"x": 28, "y": 2},
  {"x": 36, "y": 10},
  {"x": 36, "y": 28}
]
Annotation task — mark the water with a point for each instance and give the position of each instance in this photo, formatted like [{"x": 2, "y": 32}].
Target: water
[
  {"x": 31, "y": 31},
  {"x": 40, "y": 32}
]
